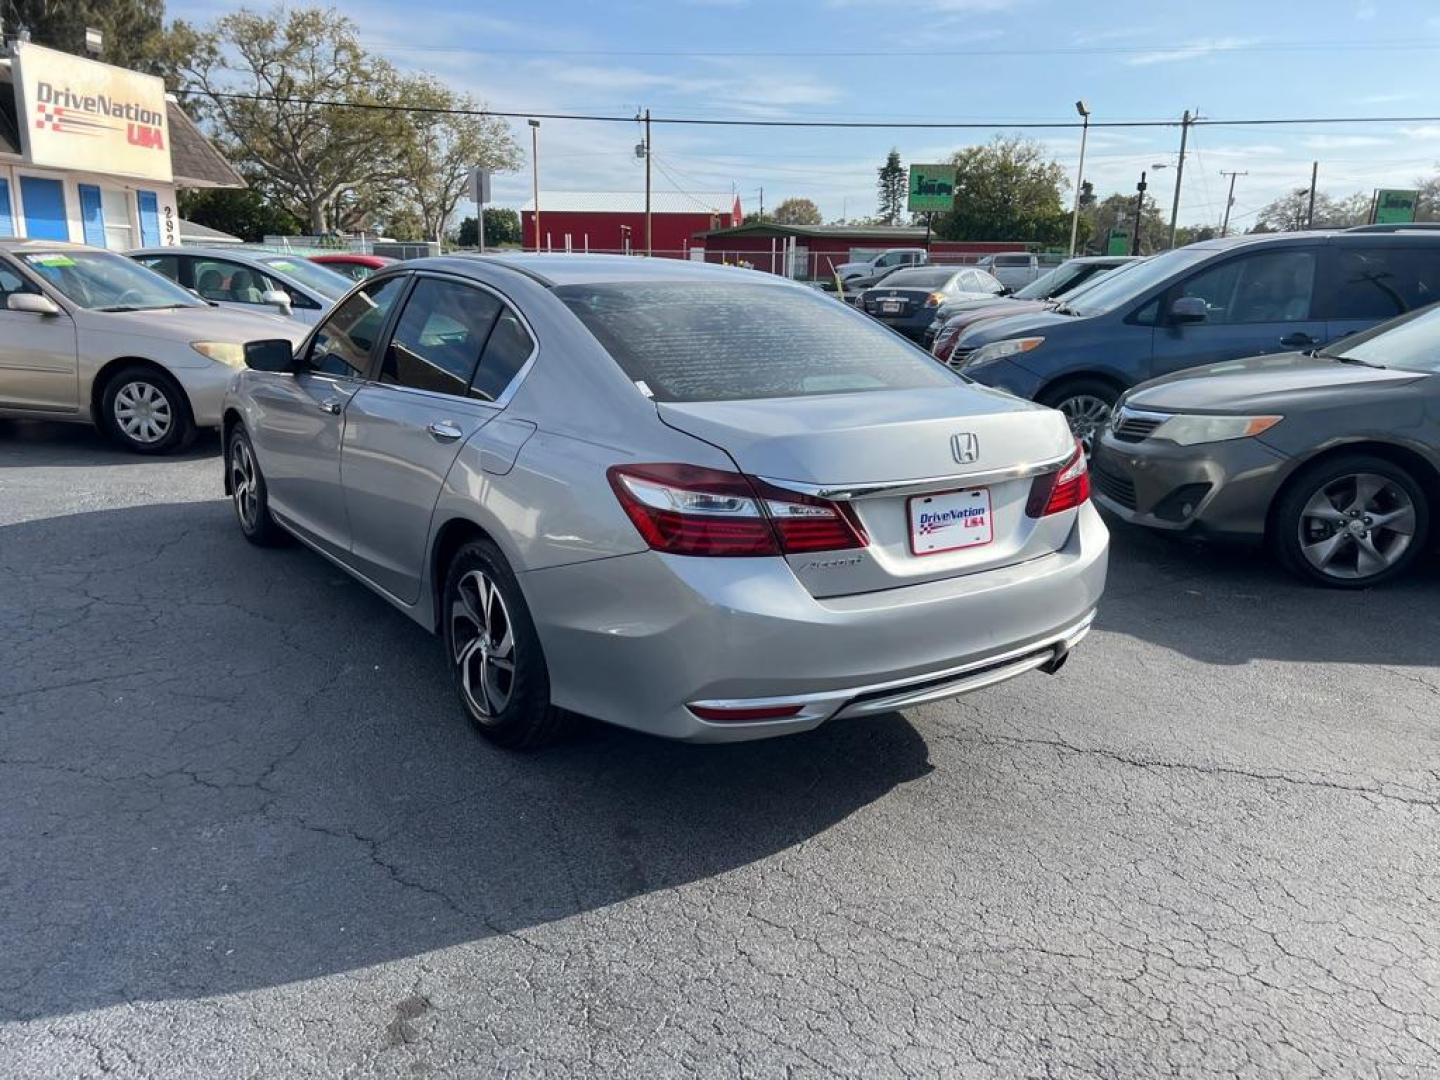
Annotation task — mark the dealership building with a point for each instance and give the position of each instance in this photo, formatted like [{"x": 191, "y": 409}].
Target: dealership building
[{"x": 94, "y": 154}]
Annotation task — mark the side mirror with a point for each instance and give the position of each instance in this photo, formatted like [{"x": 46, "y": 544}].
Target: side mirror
[
  {"x": 272, "y": 354},
  {"x": 1189, "y": 309},
  {"x": 34, "y": 303},
  {"x": 1005, "y": 290},
  {"x": 278, "y": 299}
]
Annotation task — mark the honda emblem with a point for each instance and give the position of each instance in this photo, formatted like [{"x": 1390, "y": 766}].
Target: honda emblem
[{"x": 965, "y": 447}]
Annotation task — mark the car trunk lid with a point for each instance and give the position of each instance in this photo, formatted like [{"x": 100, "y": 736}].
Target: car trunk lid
[{"x": 939, "y": 480}]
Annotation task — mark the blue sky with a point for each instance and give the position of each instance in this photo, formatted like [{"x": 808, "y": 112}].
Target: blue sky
[{"x": 1001, "y": 61}]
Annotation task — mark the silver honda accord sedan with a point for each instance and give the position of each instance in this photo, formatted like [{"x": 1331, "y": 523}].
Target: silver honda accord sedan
[{"x": 694, "y": 500}]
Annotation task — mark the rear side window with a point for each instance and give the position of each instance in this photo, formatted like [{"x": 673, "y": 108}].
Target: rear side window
[
  {"x": 510, "y": 345},
  {"x": 437, "y": 343},
  {"x": 1380, "y": 282},
  {"x": 724, "y": 342}
]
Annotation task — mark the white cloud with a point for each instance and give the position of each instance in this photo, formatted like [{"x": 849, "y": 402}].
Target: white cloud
[{"x": 1194, "y": 50}]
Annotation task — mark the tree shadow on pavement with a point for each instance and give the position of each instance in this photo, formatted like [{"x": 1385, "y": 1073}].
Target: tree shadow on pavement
[
  {"x": 1229, "y": 604},
  {"x": 224, "y": 769}
]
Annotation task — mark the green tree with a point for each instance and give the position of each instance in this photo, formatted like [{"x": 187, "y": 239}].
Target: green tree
[
  {"x": 797, "y": 211},
  {"x": 1007, "y": 189},
  {"x": 328, "y": 165},
  {"x": 893, "y": 187},
  {"x": 440, "y": 148},
  {"x": 134, "y": 30},
  {"x": 1291, "y": 212},
  {"x": 502, "y": 226},
  {"x": 245, "y": 213},
  {"x": 1117, "y": 211}
]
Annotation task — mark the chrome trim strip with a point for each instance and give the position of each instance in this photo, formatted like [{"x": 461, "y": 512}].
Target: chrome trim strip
[
  {"x": 933, "y": 483},
  {"x": 828, "y": 704}
]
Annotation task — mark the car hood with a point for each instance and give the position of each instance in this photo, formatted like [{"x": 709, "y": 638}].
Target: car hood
[
  {"x": 1263, "y": 384},
  {"x": 1033, "y": 322},
  {"x": 194, "y": 324}
]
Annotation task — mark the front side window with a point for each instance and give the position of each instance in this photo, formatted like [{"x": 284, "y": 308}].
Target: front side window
[
  {"x": 101, "y": 281},
  {"x": 1273, "y": 286},
  {"x": 1381, "y": 282},
  {"x": 437, "y": 342},
  {"x": 229, "y": 282},
  {"x": 716, "y": 341},
  {"x": 342, "y": 344}
]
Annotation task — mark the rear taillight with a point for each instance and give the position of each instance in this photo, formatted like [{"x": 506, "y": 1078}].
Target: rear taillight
[
  {"x": 689, "y": 510},
  {"x": 1066, "y": 489}
]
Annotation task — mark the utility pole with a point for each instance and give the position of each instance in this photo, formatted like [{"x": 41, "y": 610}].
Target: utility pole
[
  {"x": 1310, "y": 210},
  {"x": 1139, "y": 210},
  {"x": 1185, "y": 122},
  {"x": 1084, "y": 111},
  {"x": 535, "y": 175},
  {"x": 1229, "y": 200},
  {"x": 648, "y": 248},
  {"x": 762, "y": 202}
]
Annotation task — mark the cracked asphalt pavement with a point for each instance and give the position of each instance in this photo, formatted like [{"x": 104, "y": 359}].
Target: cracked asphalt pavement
[{"x": 245, "y": 832}]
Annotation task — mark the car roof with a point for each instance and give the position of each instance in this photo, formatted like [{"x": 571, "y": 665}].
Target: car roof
[
  {"x": 554, "y": 270},
  {"x": 17, "y": 246}
]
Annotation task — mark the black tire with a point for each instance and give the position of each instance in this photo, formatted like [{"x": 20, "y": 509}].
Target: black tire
[
  {"x": 1076, "y": 398},
  {"x": 512, "y": 709},
  {"x": 248, "y": 494},
  {"x": 1291, "y": 524},
  {"x": 164, "y": 426}
]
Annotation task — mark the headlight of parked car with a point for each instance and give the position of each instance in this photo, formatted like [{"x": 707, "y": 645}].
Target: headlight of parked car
[
  {"x": 1190, "y": 430},
  {"x": 998, "y": 350},
  {"x": 229, "y": 353}
]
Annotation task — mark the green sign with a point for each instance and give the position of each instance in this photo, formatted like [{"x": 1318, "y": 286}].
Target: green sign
[
  {"x": 1393, "y": 206},
  {"x": 1119, "y": 242},
  {"x": 932, "y": 187}
]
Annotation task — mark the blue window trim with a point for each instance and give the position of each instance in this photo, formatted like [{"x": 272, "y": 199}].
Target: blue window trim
[
  {"x": 148, "y": 203},
  {"x": 92, "y": 214}
]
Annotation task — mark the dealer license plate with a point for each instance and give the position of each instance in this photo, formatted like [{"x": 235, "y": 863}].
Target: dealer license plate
[{"x": 950, "y": 521}]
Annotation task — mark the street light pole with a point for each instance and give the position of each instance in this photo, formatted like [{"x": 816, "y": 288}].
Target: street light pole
[
  {"x": 1084, "y": 111},
  {"x": 1185, "y": 122},
  {"x": 1229, "y": 200},
  {"x": 535, "y": 175},
  {"x": 1139, "y": 210}
]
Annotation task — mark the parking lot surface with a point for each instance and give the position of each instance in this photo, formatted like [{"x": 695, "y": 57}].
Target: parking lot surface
[{"x": 247, "y": 832}]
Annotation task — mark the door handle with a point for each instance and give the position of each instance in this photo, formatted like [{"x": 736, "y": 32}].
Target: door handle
[
  {"x": 444, "y": 431},
  {"x": 1298, "y": 340},
  {"x": 332, "y": 406}
]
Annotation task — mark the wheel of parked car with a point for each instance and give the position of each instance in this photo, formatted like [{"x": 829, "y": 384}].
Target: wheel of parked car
[
  {"x": 1086, "y": 404},
  {"x": 146, "y": 411},
  {"x": 248, "y": 492},
  {"x": 1351, "y": 521},
  {"x": 495, "y": 653}
]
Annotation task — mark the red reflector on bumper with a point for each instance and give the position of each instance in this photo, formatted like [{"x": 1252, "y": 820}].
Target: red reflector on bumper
[{"x": 742, "y": 715}]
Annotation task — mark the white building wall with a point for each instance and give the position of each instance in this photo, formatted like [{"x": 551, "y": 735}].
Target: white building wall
[{"x": 169, "y": 213}]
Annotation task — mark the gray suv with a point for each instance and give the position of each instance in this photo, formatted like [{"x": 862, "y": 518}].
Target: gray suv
[
  {"x": 694, "y": 500},
  {"x": 1209, "y": 302}
]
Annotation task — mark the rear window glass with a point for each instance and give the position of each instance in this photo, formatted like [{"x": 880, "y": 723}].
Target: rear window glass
[
  {"x": 723, "y": 342},
  {"x": 920, "y": 279}
]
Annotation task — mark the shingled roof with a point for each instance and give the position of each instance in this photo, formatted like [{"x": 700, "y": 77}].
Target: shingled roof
[{"x": 193, "y": 159}]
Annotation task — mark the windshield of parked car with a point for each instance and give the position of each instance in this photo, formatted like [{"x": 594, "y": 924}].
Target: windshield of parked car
[
  {"x": 929, "y": 278},
  {"x": 324, "y": 281},
  {"x": 1117, "y": 289},
  {"x": 733, "y": 342},
  {"x": 1410, "y": 343},
  {"x": 100, "y": 281}
]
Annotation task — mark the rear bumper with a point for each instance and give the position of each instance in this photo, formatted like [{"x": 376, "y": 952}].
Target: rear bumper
[
  {"x": 634, "y": 640},
  {"x": 1221, "y": 489}
]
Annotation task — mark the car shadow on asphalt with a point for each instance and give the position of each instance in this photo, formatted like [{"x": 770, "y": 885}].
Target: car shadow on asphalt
[
  {"x": 224, "y": 769},
  {"x": 42, "y": 444},
  {"x": 1232, "y": 604}
]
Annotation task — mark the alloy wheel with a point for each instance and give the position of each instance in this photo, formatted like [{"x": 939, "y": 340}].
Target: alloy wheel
[
  {"x": 1357, "y": 526},
  {"x": 1086, "y": 414},
  {"x": 243, "y": 482},
  {"x": 483, "y": 640},
  {"x": 143, "y": 412}
]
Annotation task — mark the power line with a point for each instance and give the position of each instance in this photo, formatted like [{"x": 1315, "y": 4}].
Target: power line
[{"x": 1056, "y": 125}]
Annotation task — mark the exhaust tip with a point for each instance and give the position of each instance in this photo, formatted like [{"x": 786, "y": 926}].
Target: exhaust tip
[{"x": 1050, "y": 667}]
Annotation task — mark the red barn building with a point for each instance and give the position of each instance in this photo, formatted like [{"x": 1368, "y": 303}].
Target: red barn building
[{"x": 615, "y": 220}]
